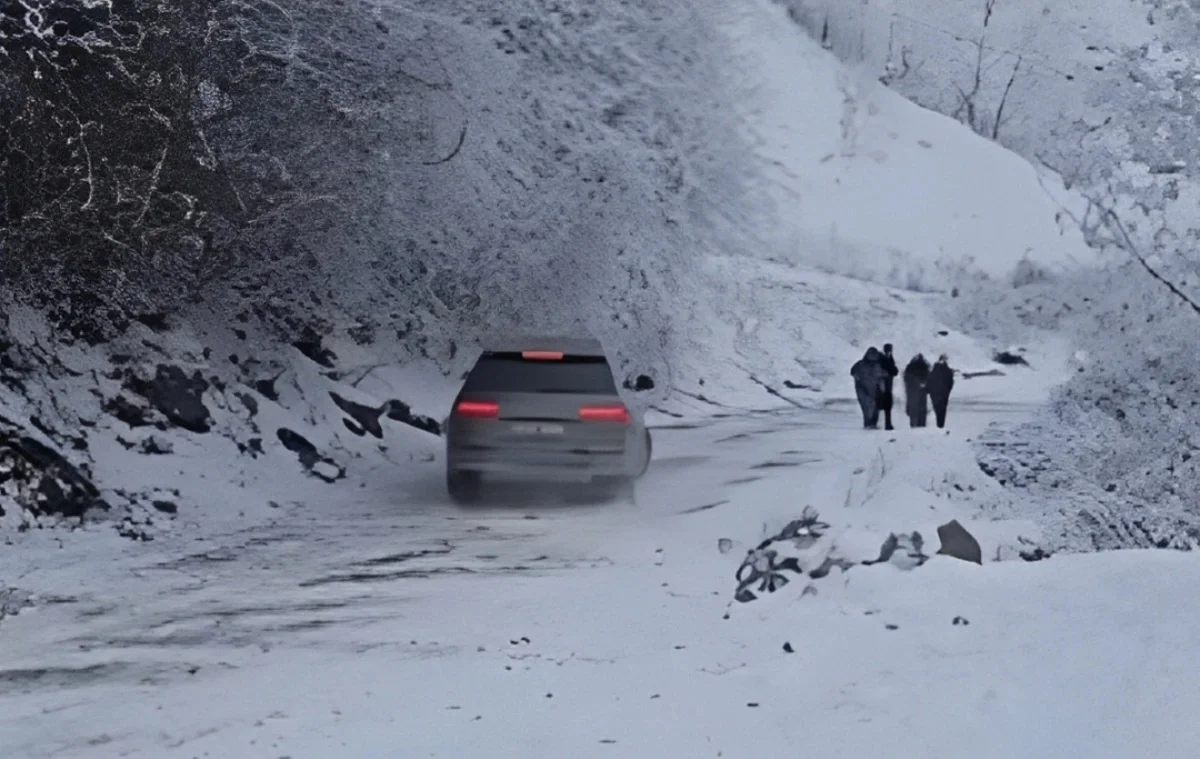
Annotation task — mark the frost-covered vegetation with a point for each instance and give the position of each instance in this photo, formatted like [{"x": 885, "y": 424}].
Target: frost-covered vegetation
[{"x": 306, "y": 163}]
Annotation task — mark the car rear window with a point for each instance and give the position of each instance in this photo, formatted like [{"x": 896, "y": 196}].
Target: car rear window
[{"x": 503, "y": 373}]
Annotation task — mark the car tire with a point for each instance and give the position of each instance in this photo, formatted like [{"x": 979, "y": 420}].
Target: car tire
[
  {"x": 464, "y": 487},
  {"x": 649, "y": 453}
]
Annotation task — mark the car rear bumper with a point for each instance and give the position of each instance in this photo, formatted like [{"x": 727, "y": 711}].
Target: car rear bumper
[{"x": 565, "y": 466}]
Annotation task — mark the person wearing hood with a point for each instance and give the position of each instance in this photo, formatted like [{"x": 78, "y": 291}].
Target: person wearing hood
[
  {"x": 868, "y": 374},
  {"x": 888, "y": 363},
  {"x": 916, "y": 394},
  {"x": 940, "y": 383}
]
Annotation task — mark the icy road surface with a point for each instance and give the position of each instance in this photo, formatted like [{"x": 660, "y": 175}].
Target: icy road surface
[{"x": 391, "y": 624}]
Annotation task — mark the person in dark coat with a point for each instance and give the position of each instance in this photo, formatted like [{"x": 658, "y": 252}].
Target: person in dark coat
[
  {"x": 940, "y": 383},
  {"x": 888, "y": 362},
  {"x": 868, "y": 374},
  {"x": 916, "y": 394}
]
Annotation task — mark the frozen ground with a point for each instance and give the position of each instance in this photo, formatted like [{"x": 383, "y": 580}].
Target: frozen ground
[{"x": 386, "y": 622}]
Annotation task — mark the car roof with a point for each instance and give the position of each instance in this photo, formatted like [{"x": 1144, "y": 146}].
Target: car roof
[{"x": 572, "y": 346}]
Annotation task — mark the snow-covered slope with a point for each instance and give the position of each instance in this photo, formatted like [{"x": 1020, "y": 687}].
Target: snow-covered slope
[{"x": 865, "y": 183}]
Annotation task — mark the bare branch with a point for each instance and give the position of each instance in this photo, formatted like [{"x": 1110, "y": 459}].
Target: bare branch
[{"x": 1004, "y": 99}]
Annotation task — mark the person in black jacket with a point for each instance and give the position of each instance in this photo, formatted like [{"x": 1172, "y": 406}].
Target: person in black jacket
[
  {"x": 868, "y": 374},
  {"x": 916, "y": 394},
  {"x": 888, "y": 362},
  {"x": 940, "y": 383}
]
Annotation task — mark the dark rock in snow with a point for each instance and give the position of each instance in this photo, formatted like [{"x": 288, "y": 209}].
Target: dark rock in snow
[
  {"x": 400, "y": 412},
  {"x": 905, "y": 551},
  {"x": 166, "y": 507},
  {"x": 178, "y": 397},
  {"x": 640, "y": 383},
  {"x": 1037, "y": 554},
  {"x": 124, "y": 411},
  {"x": 959, "y": 543},
  {"x": 41, "y": 480},
  {"x": 310, "y": 345},
  {"x": 266, "y": 388},
  {"x": 249, "y": 402},
  {"x": 1009, "y": 358},
  {"x": 366, "y": 417},
  {"x": 157, "y": 447},
  {"x": 311, "y": 459}
]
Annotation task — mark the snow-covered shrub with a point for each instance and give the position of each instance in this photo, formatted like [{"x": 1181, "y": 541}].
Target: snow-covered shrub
[
  {"x": 1119, "y": 442},
  {"x": 433, "y": 169}
]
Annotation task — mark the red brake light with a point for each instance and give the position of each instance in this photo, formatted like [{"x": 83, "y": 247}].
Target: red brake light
[
  {"x": 477, "y": 409},
  {"x": 542, "y": 355},
  {"x": 610, "y": 413}
]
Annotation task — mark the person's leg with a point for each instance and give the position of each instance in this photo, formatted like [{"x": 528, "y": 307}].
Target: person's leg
[{"x": 887, "y": 419}]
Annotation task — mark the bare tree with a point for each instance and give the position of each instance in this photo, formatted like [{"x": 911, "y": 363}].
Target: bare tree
[
  {"x": 1103, "y": 228},
  {"x": 984, "y": 121}
]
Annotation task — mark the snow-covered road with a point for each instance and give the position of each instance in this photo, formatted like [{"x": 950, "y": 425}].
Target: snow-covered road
[{"x": 394, "y": 625}]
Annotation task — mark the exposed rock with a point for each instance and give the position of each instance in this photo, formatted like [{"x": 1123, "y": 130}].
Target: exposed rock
[
  {"x": 400, "y": 412},
  {"x": 250, "y": 403},
  {"x": 177, "y": 396},
  {"x": 959, "y": 543},
  {"x": 904, "y": 551},
  {"x": 310, "y": 345},
  {"x": 40, "y": 480},
  {"x": 310, "y": 458},
  {"x": 641, "y": 383},
  {"x": 127, "y": 412},
  {"x": 1008, "y": 358},
  {"x": 366, "y": 417},
  {"x": 156, "y": 446},
  {"x": 266, "y": 388},
  {"x": 1037, "y": 554}
]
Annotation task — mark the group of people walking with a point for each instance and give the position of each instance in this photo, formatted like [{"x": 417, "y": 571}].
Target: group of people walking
[{"x": 875, "y": 373}]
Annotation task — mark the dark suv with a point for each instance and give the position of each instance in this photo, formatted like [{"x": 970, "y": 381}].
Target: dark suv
[{"x": 543, "y": 409}]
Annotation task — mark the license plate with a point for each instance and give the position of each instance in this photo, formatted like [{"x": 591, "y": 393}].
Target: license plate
[{"x": 538, "y": 429}]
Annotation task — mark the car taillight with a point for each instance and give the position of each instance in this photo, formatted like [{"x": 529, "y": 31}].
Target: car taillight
[
  {"x": 477, "y": 409},
  {"x": 615, "y": 412},
  {"x": 542, "y": 355}
]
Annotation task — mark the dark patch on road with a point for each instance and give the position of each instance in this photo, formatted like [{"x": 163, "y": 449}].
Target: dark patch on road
[
  {"x": 12, "y": 680},
  {"x": 743, "y": 480},
  {"x": 705, "y": 507},
  {"x": 399, "y": 558},
  {"x": 361, "y": 577},
  {"x": 731, "y": 438},
  {"x": 776, "y": 464}
]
